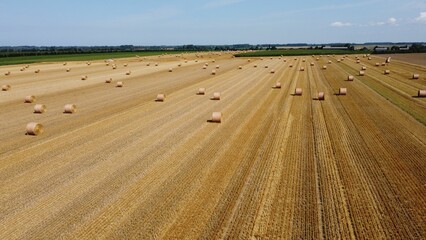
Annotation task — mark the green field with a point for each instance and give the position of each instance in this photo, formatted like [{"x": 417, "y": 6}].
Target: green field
[
  {"x": 297, "y": 52},
  {"x": 78, "y": 57}
]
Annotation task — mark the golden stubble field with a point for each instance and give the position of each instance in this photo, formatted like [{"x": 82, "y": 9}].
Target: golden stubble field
[{"x": 278, "y": 166}]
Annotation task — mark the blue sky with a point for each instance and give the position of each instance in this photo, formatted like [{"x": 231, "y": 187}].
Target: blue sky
[{"x": 170, "y": 22}]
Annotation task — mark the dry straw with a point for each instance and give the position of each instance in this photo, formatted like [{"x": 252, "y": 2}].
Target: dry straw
[
  {"x": 201, "y": 91},
  {"x": 160, "y": 97},
  {"x": 298, "y": 92},
  {"x": 342, "y": 91},
  {"x": 6, "y": 87},
  {"x": 70, "y": 108},
  {"x": 39, "y": 108},
  {"x": 34, "y": 128},
  {"x": 217, "y": 117},
  {"x": 216, "y": 96},
  {"x": 29, "y": 99}
]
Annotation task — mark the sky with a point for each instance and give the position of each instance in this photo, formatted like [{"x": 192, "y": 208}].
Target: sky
[{"x": 206, "y": 22}]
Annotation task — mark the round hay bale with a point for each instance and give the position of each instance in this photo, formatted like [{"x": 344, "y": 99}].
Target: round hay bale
[
  {"x": 125, "y": 65},
  {"x": 216, "y": 96},
  {"x": 128, "y": 72},
  {"x": 369, "y": 58},
  {"x": 317, "y": 59},
  {"x": 303, "y": 60},
  {"x": 388, "y": 60},
  {"x": 298, "y": 92},
  {"x": 291, "y": 65},
  {"x": 277, "y": 85},
  {"x": 321, "y": 96},
  {"x": 7, "y": 73},
  {"x": 255, "y": 66},
  {"x": 213, "y": 72},
  {"x": 377, "y": 64},
  {"x": 312, "y": 64},
  {"x": 29, "y": 99},
  {"x": 216, "y": 117},
  {"x": 83, "y": 77},
  {"x": 387, "y": 71},
  {"x": 37, "y": 71},
  {"x": 5, "y": 87},
  {"x": 358, "y": 61},
  {"x": 363, "y": 68},
  {"x": 350, "y": 78},
  {"x": 421, "y": 93},
  {"x": 342, "y": 91},
  {"x": 201, "y": 91},
  {"x": 107, "y": 64},
  {"x": 119, "y": 84},
  {"x": 324, "y": 67},
  {"x": 240, "y": 67},
  {"x": 180, "y": 65},
  {"x": 217, "y": 66},
  {"x": 160, "y": 97},
  {"x": 302, "y": 69},
  {"x": 383, "y": 64},
  {"x": 338, "y": 60},
  {"x": 361, "y": 73},
  {"x": 329, "y": 62},
  {"x": 68, "y": 70},
  {"x": 108, "y": 80},
  {"x": 249, "y": 60},
  {"x": 170, "y": 69},
  {"x": 22, "y": 69},
  {"x": 416, "y": 76},
  {"x": 156, "y": 64},
  {"x": 114, "y": 67},
  {"x": 34, "y": 128},
  {"x": 204, "y": 67},
  {"x": 39, "y": 108},
  {"x": 272, "y": 71},
  {"x": 64, "y": 63},
  {"x": 266, "y": 66},
  {"x": 148, "y": 64},
  {"x": 70, "y": 108}
]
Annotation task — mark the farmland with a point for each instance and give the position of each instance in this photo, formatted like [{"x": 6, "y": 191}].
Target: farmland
[
  {"x": 297, "y": 52},
  {"x": 278, "y": 166}
]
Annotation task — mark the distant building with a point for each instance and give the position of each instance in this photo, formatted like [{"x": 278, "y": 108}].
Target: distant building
[
  {"x": 335, "y": 48},
  {"x": 380, "y": 49}
]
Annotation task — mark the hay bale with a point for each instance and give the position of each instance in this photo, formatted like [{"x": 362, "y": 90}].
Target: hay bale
[
  {"x": 383, "y": 63},
  {"x": 388, "y": 60},
  {"x": 302, "y": 69},
  {"x": 240, "y": 67},
  {"x": 249, "y": 60},
  {"x": 37, "y": 71},
  {"x": 83, "y": 77},
  {"x": 125, "y": 65},
  {"x": 298, "y": 92},
  {"x": 387, "y": 72},
  {"x": 266, "y": 66},
  {"x": 342, "y": 91},
  {"x": 317, "y": 59},
  {"x": 421, "y": 93},
  {"x": 170, "y": 69},
  {"x": 358, "y": 61},
  {"x": 377, "y": 64},
  {"x": 39, "y": 108},
  {"x": 312, "y": 64},
  {"x": 338, "y": 60},
  {"x": 7, "y": 73},
  {"x": 416, "y": 76},
  {"x": 114, "y": 67},
  {"x": 148, "y": 64},
  {"x": 29, "y": 99},
  {"x": 321, "y": 96},
  {"x": 213, "y": 72},
  {"x": 216, "y": 96},
  {"x": 5, "y": 87},
  {"x": 201, "y": 91},
  {"x": 119, "y": 84},
  {"x": 272, "y": 71},
  {"x": 361, "y": 73},
  {"x": 156, "y": 64},
  {"x": 216, "y": 117},
  {"x": 180, "y": 65},
  {"x": 128, "y": 72},
  {"x": 161, "y": 97},
  {"x": 277, "y": 85},
  {"x": 204, "y": 67},
  {"x": 108, "y": 80},
  {"x": 34, "y": 128},
  {"x": 329, "y": 62},
  {"x": 363, "y": 68},
  {"x": 350, "y": 78},
  {"x": 22, "y": 69},
  {"x": 324, "y": 67},
  {"x": 217, "y": 66},
  {"x": 64, "y": 63},
  {"x": 68, "y": 70},
  {"x": 303, "y": 60},
  {"x": 255, "y": 65},
  {"x": 369, "y": 58},
  {"x": 291, "y": 65},
  {"x": 70, "y": 108}
]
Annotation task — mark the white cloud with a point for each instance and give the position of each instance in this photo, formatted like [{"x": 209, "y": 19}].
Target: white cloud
[
  {"x": 422, "y": 17},
  {"x": 340, "y": 24},
  {"x": 392, "y": 21},
  {"x": 221, "y": 3}
]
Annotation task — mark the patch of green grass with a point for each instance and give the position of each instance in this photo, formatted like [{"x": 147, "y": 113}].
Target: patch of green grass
[
  {"x": 298, "y": 52},
  {"x": 78, "y": 57}
]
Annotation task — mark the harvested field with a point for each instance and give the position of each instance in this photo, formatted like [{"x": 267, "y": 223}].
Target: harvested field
[
  {"x": 278, "y": 166},
  {"x": 416, "y": 58}
]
